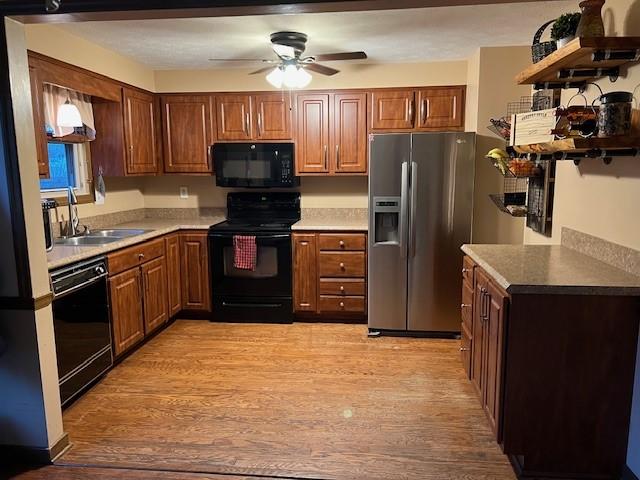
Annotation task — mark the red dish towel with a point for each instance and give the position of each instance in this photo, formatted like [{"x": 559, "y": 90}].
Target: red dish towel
[{"x": 244, "y": 252}]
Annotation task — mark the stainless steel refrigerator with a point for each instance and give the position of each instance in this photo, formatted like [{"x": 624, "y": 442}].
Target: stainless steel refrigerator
[{"x": 420, "y": 210}]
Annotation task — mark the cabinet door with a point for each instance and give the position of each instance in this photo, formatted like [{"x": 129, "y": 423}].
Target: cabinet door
[
  {"x": 392, "y": 109},
  {"x": 350, "y": 132},
  {"x": 125, "y": 292},
  {"x": 140, "y": 132},
  {"x": 196, "y": 288},
  {"x": 496, "y": 303},
  {"x": 477, "y": 332},
  {"x": 312, "y": 133},
  {"x": 188, "y": 133},
  {"x": 272, "y": 116},
  {"x": 441, "y": 108},
  {"x": 233, "y": 117},
  {"x": 305, "y": 277},
  {"x": 174, "y": 289},
  {"x": 154, "y": 282},
  {"x": 37, "y": 101}
]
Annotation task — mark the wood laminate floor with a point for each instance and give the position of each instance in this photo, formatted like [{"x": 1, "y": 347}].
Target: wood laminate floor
[{"x": 313, "y": 401}]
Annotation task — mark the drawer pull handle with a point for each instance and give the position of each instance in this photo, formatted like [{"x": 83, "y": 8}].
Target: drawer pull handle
[
  {"x": 465, "y": 305},
  {"x": 341, "y": 243},
  {"x": 341, "y": 304},
  {"x": 464, "y": 349},
  {"x": 465, "y": 270},
  {"x": 140, "y": 256}
]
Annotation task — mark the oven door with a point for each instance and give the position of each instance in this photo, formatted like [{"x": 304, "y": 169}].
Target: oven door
[{"x": 271, "y": 277}]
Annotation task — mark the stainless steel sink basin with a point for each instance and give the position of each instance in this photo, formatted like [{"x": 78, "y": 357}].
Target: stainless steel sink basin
[
  {"x": 118, "y": 232},
  {"x": 86, "y": 241}
]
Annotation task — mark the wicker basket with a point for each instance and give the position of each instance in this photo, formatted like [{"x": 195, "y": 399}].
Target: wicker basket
[{"x": 539, "y": 49}]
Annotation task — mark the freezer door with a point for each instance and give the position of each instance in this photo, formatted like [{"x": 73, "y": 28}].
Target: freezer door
[
  {"x": 389, "y": 159},
  {"x": 442, "y": 173}
]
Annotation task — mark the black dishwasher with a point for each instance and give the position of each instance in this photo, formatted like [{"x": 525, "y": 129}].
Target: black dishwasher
[{"x": 81, "y": 325}]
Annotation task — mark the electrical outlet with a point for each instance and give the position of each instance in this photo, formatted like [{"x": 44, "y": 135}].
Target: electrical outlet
[{"x": 184, "y": 192}]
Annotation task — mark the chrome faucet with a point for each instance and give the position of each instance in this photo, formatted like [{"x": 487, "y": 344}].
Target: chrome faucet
[{"x": 74, "y": 221}]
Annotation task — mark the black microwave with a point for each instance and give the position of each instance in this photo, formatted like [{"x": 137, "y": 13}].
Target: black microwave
[{"x": 255, "y": 165}]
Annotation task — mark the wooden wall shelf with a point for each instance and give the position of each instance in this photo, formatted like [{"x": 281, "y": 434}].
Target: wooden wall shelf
[
  {"x": 583, "y": 54},
  {"x": 575, "y": 145}
]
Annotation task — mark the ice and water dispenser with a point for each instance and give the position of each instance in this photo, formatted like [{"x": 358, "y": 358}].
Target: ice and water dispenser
[{"x": 386, "y": 211}]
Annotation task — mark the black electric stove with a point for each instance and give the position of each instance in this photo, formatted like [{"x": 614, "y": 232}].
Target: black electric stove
[{"x": 264, "y": 294}]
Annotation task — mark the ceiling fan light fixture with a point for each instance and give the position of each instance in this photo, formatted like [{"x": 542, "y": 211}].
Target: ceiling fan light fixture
[
  {"x": 276, "y": 77},
  {"x": 296, "y": 77}
]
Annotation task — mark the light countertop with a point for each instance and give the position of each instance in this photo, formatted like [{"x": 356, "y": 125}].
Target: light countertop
[
  {"x": 551, "y": 269},
  {"x": 333, "y": 219},
  {"x": 63, "y": 255}
]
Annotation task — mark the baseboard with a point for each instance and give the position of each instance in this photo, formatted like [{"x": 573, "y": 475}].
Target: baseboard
[
  {"x": 23, "y": 455},
  {"x": 627, "y": 474}
]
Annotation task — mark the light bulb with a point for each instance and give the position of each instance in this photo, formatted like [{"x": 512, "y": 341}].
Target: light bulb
[
  {"x": 68, "y": 115},
  {"x": 304, "y": 77},
  {"x": 290, "y": 76},
  {"x": 275, "y": 77}
]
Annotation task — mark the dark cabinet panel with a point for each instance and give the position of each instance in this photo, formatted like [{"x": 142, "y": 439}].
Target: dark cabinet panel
[
  {"x": 272, "y": 119},
  {"x": 312, "y": 133},
  {"x": 125, "y": 291},
  {"x": 141, "y": 136},
  {"x": 349, "y": 119},
  {"x": 196, "y": 287},
  {"x": 305, "y": 278},
  {"x": 233, "y": 117},
  {"x": 154, "y": 282}
]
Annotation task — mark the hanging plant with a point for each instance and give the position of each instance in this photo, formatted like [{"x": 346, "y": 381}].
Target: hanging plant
[{"x": 565, "y": 26}]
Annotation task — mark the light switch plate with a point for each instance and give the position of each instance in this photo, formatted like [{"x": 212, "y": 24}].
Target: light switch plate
[{"x": 184, "y": 192}]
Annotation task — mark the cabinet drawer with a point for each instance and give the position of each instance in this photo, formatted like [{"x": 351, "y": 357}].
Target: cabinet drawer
[
  {"x": 466, "y": 308},
  {"x": 134, "y": 256},
  {"x": 465, "y": 349},
  {"x": 338, "y": 264},
  {"x": 468, "y": 266},
  {"x": 347, "y": 286},
  {"x": 330, "y": 303},
  {"x": 343, "y": 241}
]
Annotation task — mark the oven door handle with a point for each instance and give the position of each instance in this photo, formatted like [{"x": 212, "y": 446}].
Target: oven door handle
[{"x": 258, "y": 237}]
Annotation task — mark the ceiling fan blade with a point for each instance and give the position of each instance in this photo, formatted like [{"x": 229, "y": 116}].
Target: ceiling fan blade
[
  {"x": 262, "y": 70},
  {"x": 321, "y": 69},
  {"x": 284, "y": 51},
  {"x": 264, "y": 60},
  {"x": 328, "y": 57}
]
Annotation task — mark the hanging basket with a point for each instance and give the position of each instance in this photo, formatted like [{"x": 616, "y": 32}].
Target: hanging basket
[{"x": 540, "y": 50}]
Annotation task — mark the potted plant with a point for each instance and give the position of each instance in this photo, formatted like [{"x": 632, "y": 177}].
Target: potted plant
[{"x": 565, "y": 27}]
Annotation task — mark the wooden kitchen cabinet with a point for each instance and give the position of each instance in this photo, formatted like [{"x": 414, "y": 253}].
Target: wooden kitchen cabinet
[
  {"x": 196, "y": 287},
  {"x": 272, "y": 116},
  {"x": 154, "y": 298},
  {"x": 329, "y": 273},
  {"x": 440, "y": 108},
  {"x": 174, "y": 287},
  {"x": 125, "y": 291},
  {"x": 312, "y": 133},
  {"x": 140, "y": 132},
  {"x": 349, "y": 118},
  {"x": 42, "y": 152},
  {"x": 305, "y": 279},
  {"x": 417, "y": 109},
  {"x": 233, "y": 117},
  {"x": 554, "y": 374},
  {"x": 188, "y": 133}
]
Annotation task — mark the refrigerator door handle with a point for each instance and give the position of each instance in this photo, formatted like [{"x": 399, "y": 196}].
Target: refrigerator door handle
[
  {"x": 404, "y": 215},
  {"x": 414, "y": 203}
]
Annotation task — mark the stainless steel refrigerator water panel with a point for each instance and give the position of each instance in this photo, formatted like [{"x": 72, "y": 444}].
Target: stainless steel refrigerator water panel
[
  {"x": 433, "y": 173},
  {"x": 387, "y": 265}
]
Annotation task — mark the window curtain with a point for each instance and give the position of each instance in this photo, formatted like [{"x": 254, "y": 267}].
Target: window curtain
[{"x": 55, "y": 96}]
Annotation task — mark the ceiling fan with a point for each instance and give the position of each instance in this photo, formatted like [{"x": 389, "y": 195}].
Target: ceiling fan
[{"x": 289, "y": 69}]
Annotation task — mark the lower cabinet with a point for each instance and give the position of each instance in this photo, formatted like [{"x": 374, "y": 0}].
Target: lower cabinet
[
  {"x": 154, "y": 298},
  {"x": 174, "y": 286},
  {"x": 125, "y": 291},
  {"x": 554, "y": 374},
  {"x": 329, "y": 273},
  {"x": 196, "y": 287}
]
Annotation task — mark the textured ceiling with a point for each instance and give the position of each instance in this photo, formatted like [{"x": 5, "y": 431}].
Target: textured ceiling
[{"x": 412, "y": 35}]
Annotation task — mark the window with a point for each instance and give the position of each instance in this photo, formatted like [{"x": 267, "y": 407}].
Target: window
[{"x": 68, "y": 167}]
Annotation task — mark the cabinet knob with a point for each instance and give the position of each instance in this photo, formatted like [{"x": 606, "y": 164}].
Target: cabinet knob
[
  {"x": 140, "y": 256},
  {"x": 341, "y": 304},
  {"x": 342, "y": 288},
  {"x": 342, "y": 265},
  {"x": 341, "y": 243},
  {"x": 465, "y": 270},
  {"x": 465, "y": 305}
]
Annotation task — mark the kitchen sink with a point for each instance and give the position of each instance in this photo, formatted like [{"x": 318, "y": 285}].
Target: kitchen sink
[
  {"x": 117, "y": 232},
  {"x": 86, "y": 241}
]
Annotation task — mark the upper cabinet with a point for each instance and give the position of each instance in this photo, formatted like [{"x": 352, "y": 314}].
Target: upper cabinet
[
  {"x": 331, "y": 133},
  {"x": 140, "y": 132},
  {"x": 187, "y": 122},
  {"x": 38, "y": 119},
  {"x": 422, "y": 109},
  {"x": 253, "y": 117}
]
